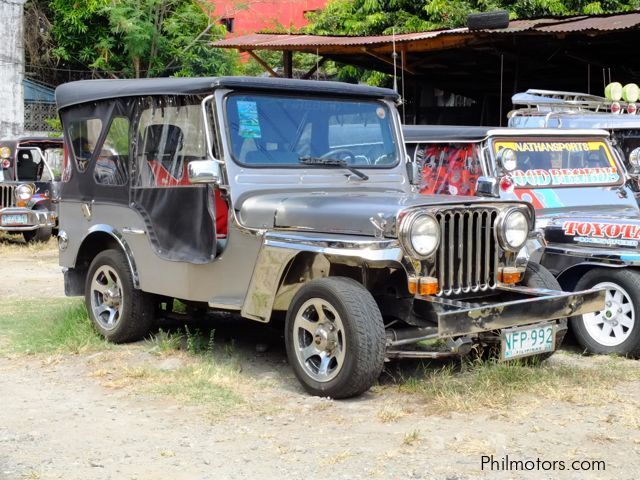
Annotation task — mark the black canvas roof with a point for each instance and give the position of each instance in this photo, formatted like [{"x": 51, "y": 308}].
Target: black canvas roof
[
  {"x": 74, "y": 93},
  {"x": 434, "y": 133}
]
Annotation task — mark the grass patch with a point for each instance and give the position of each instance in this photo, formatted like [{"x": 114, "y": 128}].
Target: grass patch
[
  {"x": 468, "y": 386},
  {"x": 206, "y": 383},
  {"x": 47, "y": 326},
  {"x": 165, "y": 342},
  {"x": 15, "y": 245}
]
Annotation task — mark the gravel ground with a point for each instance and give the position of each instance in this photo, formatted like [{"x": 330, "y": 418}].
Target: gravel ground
[{"x": 63, "y": 417}]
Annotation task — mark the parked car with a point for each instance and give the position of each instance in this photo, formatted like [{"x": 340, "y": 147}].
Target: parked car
[
  {"x": 275, "y": 197},
  {"x": 29, "y": 179},
  {"x": 588, "y": 220},
  {"x": 547, "y": 108}
]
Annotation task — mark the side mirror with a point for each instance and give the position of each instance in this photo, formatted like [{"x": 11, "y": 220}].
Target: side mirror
[
  {"x": 487, "y": 187},
  {"x": 204, "y": 171},
  {"x": 414, "y": 173}
]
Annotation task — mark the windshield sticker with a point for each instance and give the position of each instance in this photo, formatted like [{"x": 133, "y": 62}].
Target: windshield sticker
[
  {"x": 249, "y": 123},
  {"x": 603, "y": 233},
  {"x": 543, "y": 198},
  {"x": 565, "y": 176},
  {"x": 381, "y": 113},
  {"x": 551, "y": 147}
]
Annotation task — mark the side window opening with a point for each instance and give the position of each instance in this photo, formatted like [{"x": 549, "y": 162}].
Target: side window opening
[
  {"x": 111, "y": 161},
  {"x": 84, "y": 135},
  {"x": 449, "y": 169},
  {"x": 170, "y": 134}
]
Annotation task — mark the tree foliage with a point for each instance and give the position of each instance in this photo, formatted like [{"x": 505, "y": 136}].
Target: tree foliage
[
  {"x": 375, "y": 17},
  {"x": 132, "y": 38}
]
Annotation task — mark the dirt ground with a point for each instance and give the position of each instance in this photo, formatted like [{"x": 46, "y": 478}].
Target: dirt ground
[{"x": 62, "y": 418}]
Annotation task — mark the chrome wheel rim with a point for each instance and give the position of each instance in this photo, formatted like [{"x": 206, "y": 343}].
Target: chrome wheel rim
[
  {"x": 319, "y": 340},
  {"x": 613, "y": 325},
  {"x": 106, "y": 297}
]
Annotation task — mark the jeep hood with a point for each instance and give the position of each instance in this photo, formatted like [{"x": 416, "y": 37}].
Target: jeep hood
[
  {"x": 596, "y": 226},
  {"x": 346, "y": 212}
]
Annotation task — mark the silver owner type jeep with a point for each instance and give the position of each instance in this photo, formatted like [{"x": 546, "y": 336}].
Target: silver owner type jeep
[
  {"x": 29, "y": 180},
  {"x": 273, "y": 197}
]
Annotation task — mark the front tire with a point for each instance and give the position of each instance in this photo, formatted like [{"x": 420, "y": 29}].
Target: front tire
[
  {"x": 119, "y": 312},
  {"x": 335, "y": 337},
  {"x": 614, "y": 329},
  {"x": 40, "y": 235},
  {"x": 537, "y": 276}
]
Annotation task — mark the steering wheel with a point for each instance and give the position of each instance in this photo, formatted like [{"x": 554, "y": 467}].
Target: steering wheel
[
  {"x": 381, "y": 159},
  {"x": 340, "y": 153}
]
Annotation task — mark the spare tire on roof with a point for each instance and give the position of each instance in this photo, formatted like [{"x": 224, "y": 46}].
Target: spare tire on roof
[{"x": 488, "y": 20}]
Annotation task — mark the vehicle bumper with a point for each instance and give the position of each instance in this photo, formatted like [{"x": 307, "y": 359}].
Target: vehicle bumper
[
  {"x": 35, "y": 219},
  {"x": 517, "y": 306}
]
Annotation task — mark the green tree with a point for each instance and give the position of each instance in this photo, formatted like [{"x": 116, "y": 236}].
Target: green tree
[
  {"x": 374, "y": 17},
  {"x": 134, "y": 38}
]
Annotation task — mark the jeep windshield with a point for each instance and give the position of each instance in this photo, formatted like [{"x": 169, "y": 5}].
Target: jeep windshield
[
  {"x": 561, "y": 162},
  {"x": 278, "y": 131}
]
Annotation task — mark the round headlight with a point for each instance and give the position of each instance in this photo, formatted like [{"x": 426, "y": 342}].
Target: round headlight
[
  {"x": 508, "y": 159},
  {"x": 421, "y": 235},
  {"x": 514, "y": 230},
  {"x": 634, "y": 158},
  {"x": 24, "y": 193},
  {"x": 5, "y": 152}
]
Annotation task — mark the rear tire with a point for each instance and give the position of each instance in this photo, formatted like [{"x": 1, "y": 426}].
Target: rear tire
[
  {"x": 335, "y": 337},
  {"x": 615, "y": 329},
  {"x": 119, "y": 311}
]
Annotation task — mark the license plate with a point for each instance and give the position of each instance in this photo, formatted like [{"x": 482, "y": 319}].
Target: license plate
[
  {"x": 20, "y": 219},
  {"x": 525, "y": 341}
]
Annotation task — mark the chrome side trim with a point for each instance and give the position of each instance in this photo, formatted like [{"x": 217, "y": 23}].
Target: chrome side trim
[
  {"x": 595, "y": 256},
  {"x": 123, "y": 244},
  {"x": 278, "y": 249},
  {"x": 133, "y": 231}
]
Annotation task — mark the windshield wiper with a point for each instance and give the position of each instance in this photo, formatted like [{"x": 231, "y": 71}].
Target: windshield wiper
[{"x": 331, "y": 162}]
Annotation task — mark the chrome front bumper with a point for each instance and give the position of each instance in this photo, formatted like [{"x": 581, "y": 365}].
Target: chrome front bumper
[
  {"x": 517, "y": 306},
  {"x": 35, "y": 219}
]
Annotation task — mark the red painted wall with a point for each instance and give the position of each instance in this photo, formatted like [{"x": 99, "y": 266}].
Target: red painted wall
[{"x": 251, "y": 16}]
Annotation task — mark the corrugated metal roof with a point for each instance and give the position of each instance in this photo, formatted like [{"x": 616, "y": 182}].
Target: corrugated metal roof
[
  {"x": 580, "y": 23},
  {"x": 36, "y": 92}
]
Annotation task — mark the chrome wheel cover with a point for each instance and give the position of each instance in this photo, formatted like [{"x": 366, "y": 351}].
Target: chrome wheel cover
[
  {"x": 613, "y": 325},
  {"x": 106, "y": 297},
  {"x": 319, "y": 340}
]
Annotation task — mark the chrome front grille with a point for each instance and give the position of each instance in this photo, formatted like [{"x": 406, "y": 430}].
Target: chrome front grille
[
  {"x": 467, "y": 259},
  {"x": 7, "y": 196}
]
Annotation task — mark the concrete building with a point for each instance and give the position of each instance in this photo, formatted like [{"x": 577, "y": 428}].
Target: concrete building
[
  {"x": 11, "y": 67},
  {"x": 242, "y": 17}
]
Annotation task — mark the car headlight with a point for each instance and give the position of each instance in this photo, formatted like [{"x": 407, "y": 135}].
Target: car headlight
[
  {"x": 508, "y": 159},
  {"x": 513, "y": 229},
  {"x": 24, "y": 193},
  {"x": 420, "y": 234},
  {"x": 5, "y": 153},
  {"x": 634, "y": 158}
]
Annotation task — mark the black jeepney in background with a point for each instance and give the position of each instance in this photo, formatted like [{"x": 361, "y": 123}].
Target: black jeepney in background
[
  {"x": 29, "y": 176},
  {"x": 587, "y": 220}
]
